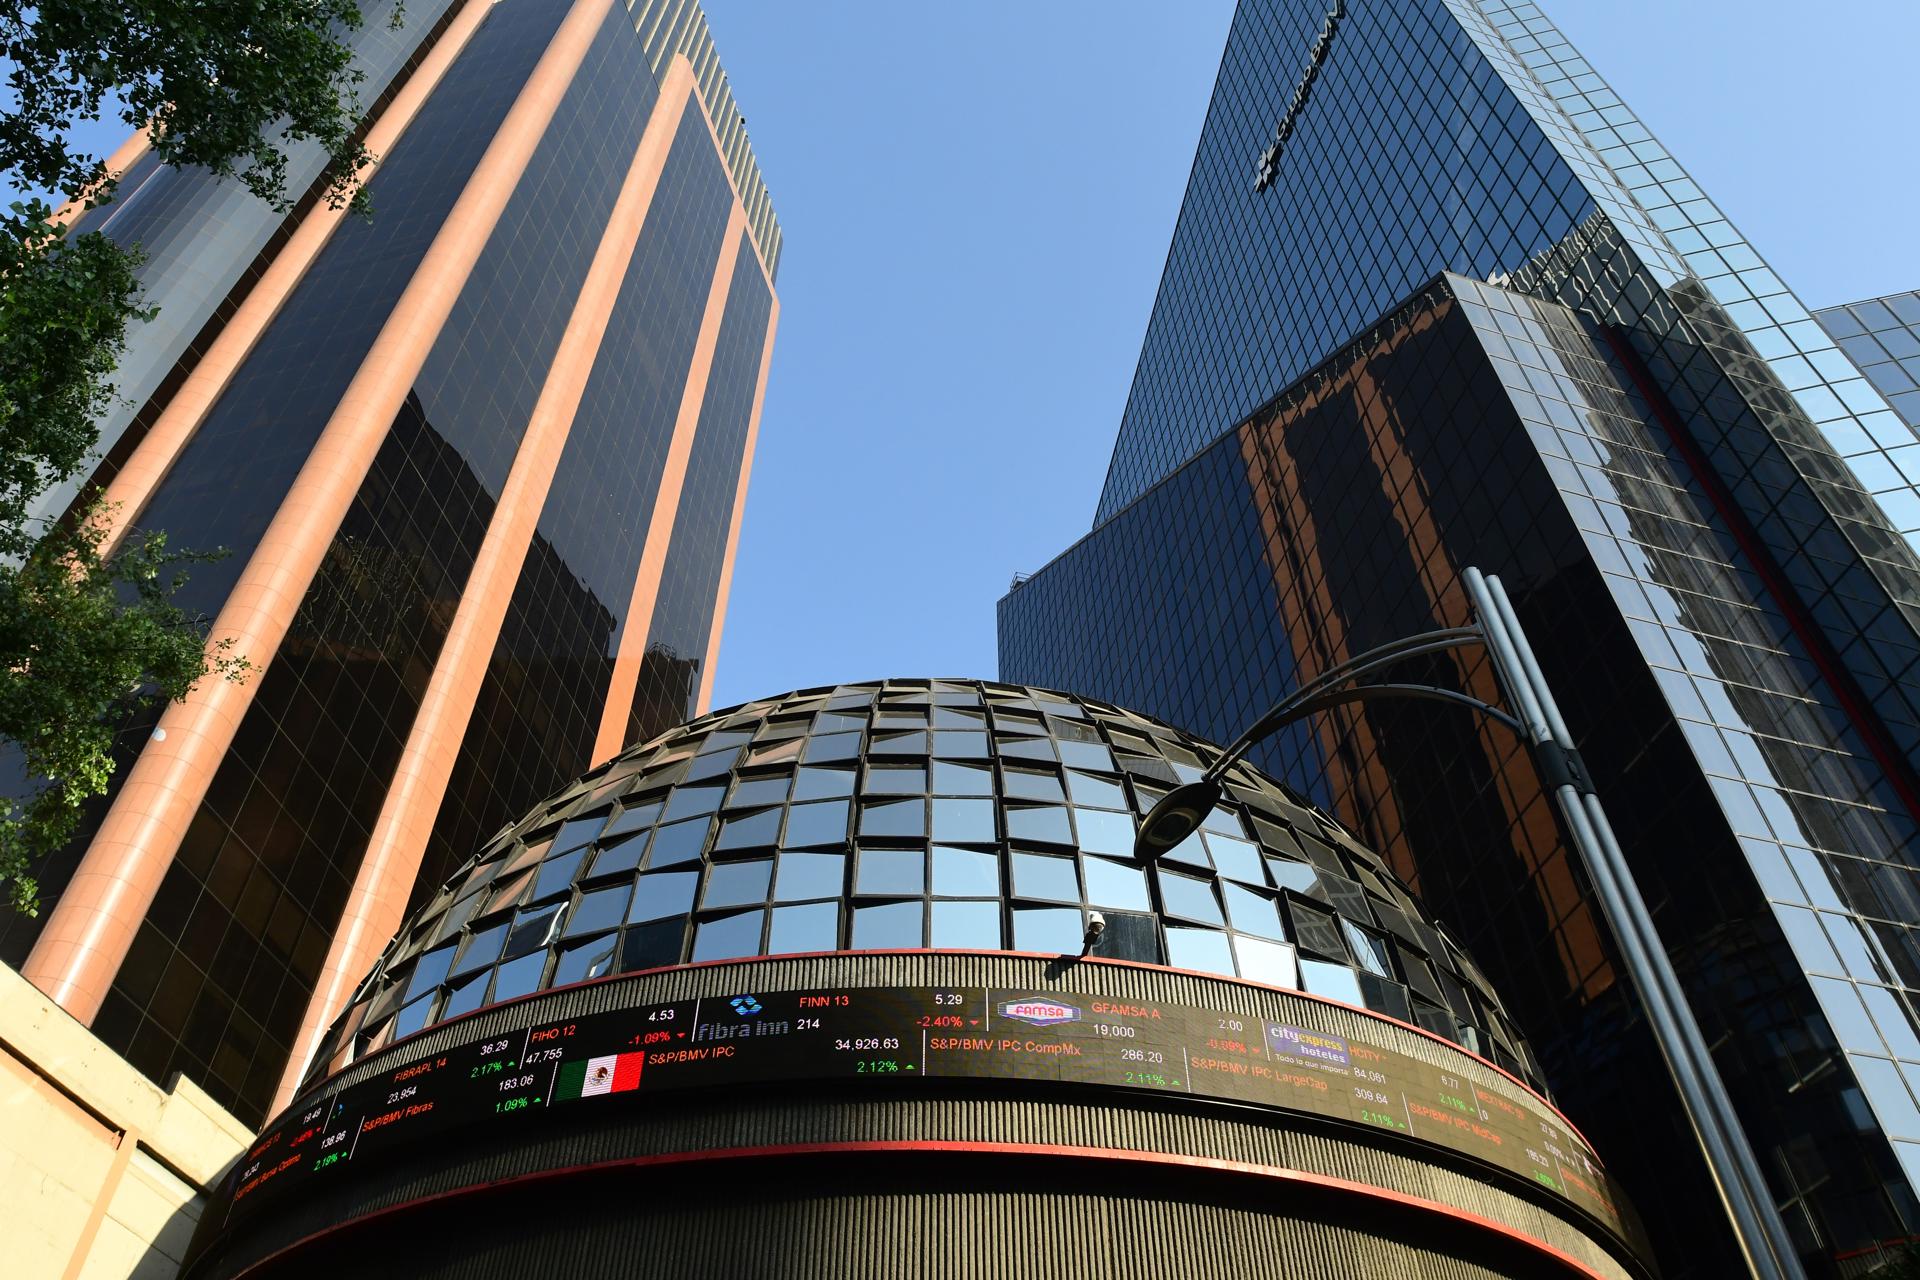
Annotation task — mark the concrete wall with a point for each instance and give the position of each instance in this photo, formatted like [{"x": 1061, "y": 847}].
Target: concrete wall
[{"x": 101, "y": 1170}]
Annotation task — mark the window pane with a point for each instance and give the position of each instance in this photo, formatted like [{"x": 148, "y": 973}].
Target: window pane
[
  {"x": 1334, "y": 981},
  {"x": 1883, "y": 1085},
  {"x": 1297, "y": 876},
  {"x": 814, "y": 927},
  {"x": 1317, "y": 931},
  {"x": 735, "y": 884},
  {"x": 753, "y": 831},
  {"x": 967, "y": 925},
  {"x": 427, "y": 974},
  {"x": 898, "y": 744},
  {"x": 729, "y": 937},
  {"x": 482, "y": 948},
  {"x": 904, "y": 818},
  {"x": 688, "y": 802},
  {"x": 887, "y": 926},
  {"x": 1086, "y": 755},
  {"x": 1204, "y": 950},
  {"x": 1369, "y": 950},
  {"x": 652, "y": 946},
  {"x": 1032, "y": 786},
  {"x": 633, "y": 819},
  {"x": 1053, "y": 929},
  {"x": 823, "y": 823},
  {"x": 1223, "y": 821},
  {"x": 624, "y": 856},
  {"x": 1190, "y": 851},
  {"x": 518, "y": 977},
  {"x": 1847, "y": 1014},
  {"x": 1236, "y": 858},
  {"x": 579, "y": 831},
  {"x": 1046, "y": 826},
  {"x": 1250, "y": 912},
  {"x": 466, "y": 996},
  {"x": 412, "y": 1018},
  {"x": 832, "y": 746},
  {"x": 749, "y": 793},
  {"x": 823, "y": 784},
  {"x": 1268, "y": 962},
  {"x": 1896, "y": 1024},
  {"x": 963, "y": 821},
  {"x": 659, "y": 894},
  {"x": 601, "y": 909},
  {"x": 681, "y": 842},
  {"x": 894, "y": 872},
  {"x": 809, "y": 875},
  {"x": 896, "y": 780},
  {"x": 534, "y": 929},
  {"x": 1115, "y": 884},
  {"x": 1038, "y": 876},
  {"x": 556, "y": 875},
  {"x": 965, "y": 873},
  {"x": 1185, "y": 896},
  {"x": 1088, "y": 789},
  {"x": 1104, "y": 832},
  {"x": 589, "y": 960},
  {"x": 961, "y": 780},
  {"x": 958, "y": 744}
]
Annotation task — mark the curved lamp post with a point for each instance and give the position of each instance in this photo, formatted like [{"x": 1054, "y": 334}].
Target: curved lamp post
[{"x": 1743, "y": 1188}]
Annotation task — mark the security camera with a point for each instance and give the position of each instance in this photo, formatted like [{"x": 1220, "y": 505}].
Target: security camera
[{"x": 1096, "y": 925}]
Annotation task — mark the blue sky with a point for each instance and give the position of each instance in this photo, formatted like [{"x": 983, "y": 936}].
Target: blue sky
[{"x": 977, "y": 202}]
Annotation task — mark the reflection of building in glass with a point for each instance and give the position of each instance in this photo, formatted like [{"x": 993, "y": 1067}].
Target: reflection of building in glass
[
  {"x": 837, "y": 946},
  {"x": 1701, "y": 507},
  {"x": 472, "y": 459}
]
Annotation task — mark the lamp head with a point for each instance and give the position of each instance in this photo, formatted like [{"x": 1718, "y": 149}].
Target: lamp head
[{"x": 1177, "y": 816}]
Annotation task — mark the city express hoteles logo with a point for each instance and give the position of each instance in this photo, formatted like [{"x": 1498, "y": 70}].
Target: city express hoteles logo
[{"x": 1041, "y": 1013}]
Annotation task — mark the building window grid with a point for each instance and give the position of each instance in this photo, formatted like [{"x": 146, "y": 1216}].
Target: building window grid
[{"x": 419, "y": 982}]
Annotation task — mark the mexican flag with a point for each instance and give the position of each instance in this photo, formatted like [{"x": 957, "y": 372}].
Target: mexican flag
[{"x": 615, "y": 1073}]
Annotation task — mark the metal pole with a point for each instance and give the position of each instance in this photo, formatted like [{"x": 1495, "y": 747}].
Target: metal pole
[
  {"x": 1609, "y": 846},
  {"x": 1742, "y": 1186}
]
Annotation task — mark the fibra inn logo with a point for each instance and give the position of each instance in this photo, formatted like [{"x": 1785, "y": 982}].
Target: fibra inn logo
[
  {"x": 745, "y": 1006},
  {"x": 1041, "y": 1013}
]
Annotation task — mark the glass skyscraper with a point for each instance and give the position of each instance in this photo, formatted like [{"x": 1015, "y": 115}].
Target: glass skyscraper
[
  {"x": 1435, "y": 299},
  {"x": 479, "y": 464}
]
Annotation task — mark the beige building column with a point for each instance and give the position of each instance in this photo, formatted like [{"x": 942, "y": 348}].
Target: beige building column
[
  {"x": 705, "y": 702},
  {"x": 666, "y": 503},
  {"x": 133, "y": 486},
  {"x": 399, "y": 841}
]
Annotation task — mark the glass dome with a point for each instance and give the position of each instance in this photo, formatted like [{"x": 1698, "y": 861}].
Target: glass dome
[{"x": 950, "y": 814}]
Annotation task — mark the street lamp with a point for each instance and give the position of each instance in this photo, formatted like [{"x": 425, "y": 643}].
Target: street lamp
[{"x": 1743, "y": 1188}]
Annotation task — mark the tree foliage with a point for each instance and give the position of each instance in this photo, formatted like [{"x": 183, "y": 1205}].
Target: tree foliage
[
  {"x": 88, "y": 631},
  {"x": 223, "y": 85}
]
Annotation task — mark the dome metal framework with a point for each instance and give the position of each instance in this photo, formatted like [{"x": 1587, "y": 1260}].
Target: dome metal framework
[{"x": 909, "y": 814}]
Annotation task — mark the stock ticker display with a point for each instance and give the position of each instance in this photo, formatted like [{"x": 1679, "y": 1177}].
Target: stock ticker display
[{"x": 892, "y": 1036}]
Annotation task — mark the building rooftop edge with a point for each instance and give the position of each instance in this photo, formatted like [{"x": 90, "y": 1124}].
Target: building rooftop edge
[{"x": 667, "y": 27}]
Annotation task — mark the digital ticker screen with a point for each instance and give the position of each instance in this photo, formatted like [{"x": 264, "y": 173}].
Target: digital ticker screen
[{"x": 898, "y": 1034}]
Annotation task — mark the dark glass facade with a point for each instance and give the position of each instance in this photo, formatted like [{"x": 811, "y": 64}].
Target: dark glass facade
[
  {"x": 223, "y": 968},
  {"x": 549, "y": 678},
  {"x": 1694, "y": 497}
]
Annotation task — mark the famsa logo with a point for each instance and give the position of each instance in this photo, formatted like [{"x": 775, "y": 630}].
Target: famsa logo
[{"x": 1041, "y": 1013}]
